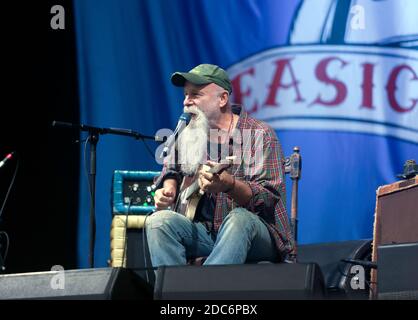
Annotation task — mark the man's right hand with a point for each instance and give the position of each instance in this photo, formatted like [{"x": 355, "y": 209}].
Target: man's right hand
[{"x": 164, "y": 197}]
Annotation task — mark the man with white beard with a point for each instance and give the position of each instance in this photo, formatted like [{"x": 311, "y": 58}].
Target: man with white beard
[{"x": 242, "y": 215}]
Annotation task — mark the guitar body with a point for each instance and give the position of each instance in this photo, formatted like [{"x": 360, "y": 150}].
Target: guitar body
[
  {"x": 192, "y": 206},
  {"x": 190, "y": 193},
  {"x": 190, "y": 196}
]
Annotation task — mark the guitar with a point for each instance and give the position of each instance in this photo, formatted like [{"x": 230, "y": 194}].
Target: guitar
[{"x": 190, "y": 193}]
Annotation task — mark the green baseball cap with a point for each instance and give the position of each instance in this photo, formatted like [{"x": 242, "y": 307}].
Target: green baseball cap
[{"x": 203, "y": 74}]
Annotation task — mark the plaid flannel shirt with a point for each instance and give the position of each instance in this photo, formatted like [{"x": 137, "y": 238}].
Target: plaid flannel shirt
[{"x": 266, "y": 180}]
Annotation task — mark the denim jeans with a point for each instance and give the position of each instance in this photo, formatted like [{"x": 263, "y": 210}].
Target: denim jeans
[{"x": 173, "y": 239}]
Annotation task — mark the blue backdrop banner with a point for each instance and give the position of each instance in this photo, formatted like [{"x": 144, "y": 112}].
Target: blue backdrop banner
[{"x": 339, "y": 79}]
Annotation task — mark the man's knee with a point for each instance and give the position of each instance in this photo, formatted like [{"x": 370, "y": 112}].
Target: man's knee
[
  {"x": 161, "y": 218},
  {"x": 241, "y": 216}
]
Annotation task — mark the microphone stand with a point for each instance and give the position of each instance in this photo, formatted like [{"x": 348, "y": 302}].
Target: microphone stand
[
  {"x": 94, "y": 133},
  {"x": 93, "y": 139}
]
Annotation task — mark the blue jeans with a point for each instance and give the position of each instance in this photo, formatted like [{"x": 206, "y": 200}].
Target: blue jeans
[{"x": 173, "y": 239}]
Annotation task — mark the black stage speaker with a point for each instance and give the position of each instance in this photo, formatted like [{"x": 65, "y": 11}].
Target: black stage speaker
[
  {"x": 329, "y": 256},
  {"x": 264, "y": 281},
  {"x": 397, "y": 276},
  {"x": 92, "y": 284}
]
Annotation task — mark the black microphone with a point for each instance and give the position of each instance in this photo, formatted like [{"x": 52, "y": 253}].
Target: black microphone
[
  {"x": 183, "y": 122},
  {"x": 9, "y": 156}
]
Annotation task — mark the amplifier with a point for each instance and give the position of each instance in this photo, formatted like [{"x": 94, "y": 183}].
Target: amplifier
[
  {"x": 133, "y": 191},
  {"x": 396, "y": 218}
]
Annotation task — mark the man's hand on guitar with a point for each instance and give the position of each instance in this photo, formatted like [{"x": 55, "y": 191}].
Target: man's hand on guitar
[
  {"x": 214, "y": 182},
  {"x": 164, "y": 197}
]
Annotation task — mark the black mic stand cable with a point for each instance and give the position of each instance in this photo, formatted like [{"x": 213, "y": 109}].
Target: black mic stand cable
[{"x": 4, "y": 257}]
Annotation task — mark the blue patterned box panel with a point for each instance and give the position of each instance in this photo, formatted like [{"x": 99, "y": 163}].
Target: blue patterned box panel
[{"x": 133, "y": 191}]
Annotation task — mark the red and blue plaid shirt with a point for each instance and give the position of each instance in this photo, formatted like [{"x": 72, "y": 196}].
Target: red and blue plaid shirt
[{"x": 266, "y": 178}]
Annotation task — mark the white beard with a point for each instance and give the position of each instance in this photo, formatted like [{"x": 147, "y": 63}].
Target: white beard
[{"x": 191, "y": 144}]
